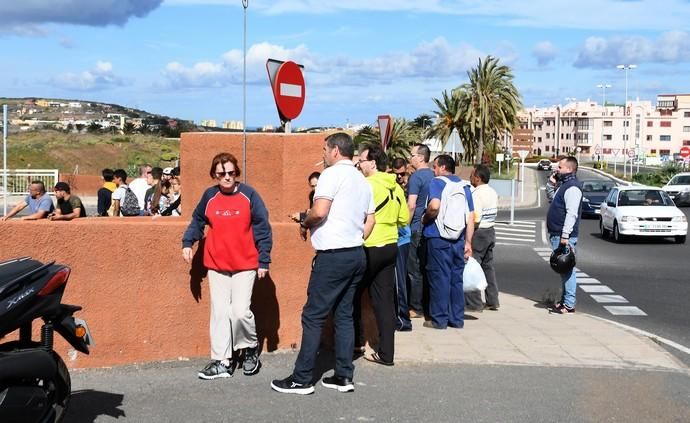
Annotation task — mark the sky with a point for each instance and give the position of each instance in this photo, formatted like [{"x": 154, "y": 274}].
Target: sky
[{"x": 361, "y": 58}]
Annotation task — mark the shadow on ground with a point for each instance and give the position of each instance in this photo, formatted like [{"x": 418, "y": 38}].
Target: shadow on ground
[{"x": 87, "y": 405}]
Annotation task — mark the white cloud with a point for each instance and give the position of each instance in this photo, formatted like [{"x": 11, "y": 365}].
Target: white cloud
[
  {"x": 586, "y": 14},
  {"x": 435, "y": 59},
  {"x": 545, "y": 52},
  {"x": 599, "y": 52},
  {"x": 15, "y": 14},
  {"x": 99, "y": 78}
]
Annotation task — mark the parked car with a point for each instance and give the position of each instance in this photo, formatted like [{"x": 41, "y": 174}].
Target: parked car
[
  {"x": 678, "y": 188},
  {"x": 641, "y": 211},
  {"x": 594, "y": 192},
  {"x": 544, "y": 164}
]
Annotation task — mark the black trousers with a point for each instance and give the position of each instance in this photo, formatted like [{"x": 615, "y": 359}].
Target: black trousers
[
  {"x": 379, "y": 279},
  {"x": 483, "y": 244}
]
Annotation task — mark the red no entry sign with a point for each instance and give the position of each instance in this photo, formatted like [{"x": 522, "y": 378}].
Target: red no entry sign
[
  {"x": 685, "y": 152},
  {"x": 288, "y": 89}
]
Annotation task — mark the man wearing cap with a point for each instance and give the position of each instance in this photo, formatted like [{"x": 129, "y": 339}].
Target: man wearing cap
[
  {"x": 39, "y": 202},
  {"x": 167, "y": 174},
  {"x": 69, "y": 206}
]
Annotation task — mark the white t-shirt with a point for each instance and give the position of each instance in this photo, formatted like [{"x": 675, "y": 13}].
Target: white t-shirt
[
  {"x": 139, "y": 188},
  {"x": 352, "y": 199},
  {"x": 119, "y": 194}
]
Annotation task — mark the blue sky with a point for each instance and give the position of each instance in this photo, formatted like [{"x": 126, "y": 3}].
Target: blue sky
[{"x": 362, "y": 58}]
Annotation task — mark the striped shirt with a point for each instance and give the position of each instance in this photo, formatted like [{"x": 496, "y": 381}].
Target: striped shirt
[{"x": 485, "y": 206}]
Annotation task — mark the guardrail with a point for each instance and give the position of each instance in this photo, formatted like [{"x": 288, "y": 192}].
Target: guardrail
[{"x": 18, "y": 180}]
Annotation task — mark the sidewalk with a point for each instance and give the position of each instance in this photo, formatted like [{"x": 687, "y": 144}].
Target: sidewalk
[
  {"x": 524, "y": 333},
  {"x": 531, "y": 191}
]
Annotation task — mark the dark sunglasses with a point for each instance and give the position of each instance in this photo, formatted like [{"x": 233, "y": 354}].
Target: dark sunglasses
[{"x": 231, "y": 173}]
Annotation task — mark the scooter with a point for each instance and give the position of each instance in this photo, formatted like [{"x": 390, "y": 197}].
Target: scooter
[{"x": 35, "y": 385}]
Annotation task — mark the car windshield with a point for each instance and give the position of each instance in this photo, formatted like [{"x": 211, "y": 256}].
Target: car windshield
[
  {"x": 644, "y": 197},
  {"x": 680, "y": 180},
  {"x": 597, "y": 186}
]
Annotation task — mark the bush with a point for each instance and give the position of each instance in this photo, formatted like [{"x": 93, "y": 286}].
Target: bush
[{"x": 658, "y": 178}]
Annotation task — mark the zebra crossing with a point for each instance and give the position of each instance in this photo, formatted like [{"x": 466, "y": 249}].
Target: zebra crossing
[
  {"x": 600, "y": 293},
  {"x": 520, "y": 232}
]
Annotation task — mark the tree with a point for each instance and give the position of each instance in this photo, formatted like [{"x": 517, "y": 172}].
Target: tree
[
  {"x": 128, "y": 128},
  {"x": 490, "y": 102},
  {"x": 402, "y": 137},
  {"x": 94, "y": 128},
  {"x": 449, "y": 109}
]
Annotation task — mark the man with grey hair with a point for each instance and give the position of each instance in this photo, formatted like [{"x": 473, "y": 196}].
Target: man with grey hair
[
  {"x": 341, "y": 218},
  {"x": 39, "y": 202}
]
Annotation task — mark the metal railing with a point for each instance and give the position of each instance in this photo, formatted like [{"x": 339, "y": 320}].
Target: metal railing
[{"x": 18, "y": 180}]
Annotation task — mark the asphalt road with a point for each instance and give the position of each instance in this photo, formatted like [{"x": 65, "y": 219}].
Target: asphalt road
[
  {"x": 431, "y": 392},
  {"x": 651, "y": 275}
]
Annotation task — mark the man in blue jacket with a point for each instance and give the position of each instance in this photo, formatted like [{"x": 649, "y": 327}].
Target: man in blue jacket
[{"x": 563, "y": 221}]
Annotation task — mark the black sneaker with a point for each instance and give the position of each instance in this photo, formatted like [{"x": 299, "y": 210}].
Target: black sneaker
[
  {"x": 215, "y": 370},
  {"x": 289, "y": 386},
  {"x": 342, "y": 384},
  {"x": 562, "y": 309},
  {"x": 251, "y": 363}
]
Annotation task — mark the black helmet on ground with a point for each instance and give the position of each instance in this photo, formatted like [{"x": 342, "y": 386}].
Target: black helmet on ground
[{"x": 563, "y": 259}]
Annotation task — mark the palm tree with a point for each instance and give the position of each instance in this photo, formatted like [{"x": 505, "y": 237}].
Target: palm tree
[
  {"x": 491, "y": 102},
  {"x": 402, "y": 137},
  {"x": 450, "y": 109}
]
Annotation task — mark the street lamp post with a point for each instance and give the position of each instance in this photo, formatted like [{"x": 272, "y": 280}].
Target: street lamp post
[
  {"x": 603, "y": 92},
  {"x": 626, "y": 122}
]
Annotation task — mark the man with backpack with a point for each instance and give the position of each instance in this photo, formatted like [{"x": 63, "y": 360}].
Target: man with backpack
[
  {"x": 448, "y": 226},
  {"x": 125, "y": 202}
]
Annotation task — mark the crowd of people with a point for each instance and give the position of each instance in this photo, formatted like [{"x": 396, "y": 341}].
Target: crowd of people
[{"x": 155, "y": 192}]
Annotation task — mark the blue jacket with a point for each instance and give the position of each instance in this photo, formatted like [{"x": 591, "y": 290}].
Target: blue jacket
[{"x": 563, "y": 218}]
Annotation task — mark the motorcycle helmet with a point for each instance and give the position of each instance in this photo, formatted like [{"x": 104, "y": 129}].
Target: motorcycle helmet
[{"x": 563, "y": 259}]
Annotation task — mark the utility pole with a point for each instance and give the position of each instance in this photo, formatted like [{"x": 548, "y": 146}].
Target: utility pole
[
  {"x": 603, "y": 92},
  {"x": 626, "y": 122}
]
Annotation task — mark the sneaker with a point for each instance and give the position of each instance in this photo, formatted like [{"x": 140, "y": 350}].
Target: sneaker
[
  {"x": 251, "y": 363},
  {"x": 562, "y": 309},
  {"x": 342, "y": 384},
  {"x": 430, "y": 324},
  {"x": 215, "y": 370},
  {"x": 289, "y": 386}
]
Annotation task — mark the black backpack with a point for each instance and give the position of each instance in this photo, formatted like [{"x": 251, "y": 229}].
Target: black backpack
[{"x": 129, "y": 206}]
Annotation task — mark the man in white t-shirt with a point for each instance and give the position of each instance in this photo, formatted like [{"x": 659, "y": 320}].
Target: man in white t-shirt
[
  {"x": 341, "y": 218},
  {"x": 139, "y": 185},
  {"x": 120, "y": 179}
]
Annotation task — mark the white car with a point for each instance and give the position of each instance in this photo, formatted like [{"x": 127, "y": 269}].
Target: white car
[
  {"x": 641, "y": 211},
  {"x": 678, "y": 188}
]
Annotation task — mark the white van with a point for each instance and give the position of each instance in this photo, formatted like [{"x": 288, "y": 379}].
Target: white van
[{"x": 678, "y": 188}]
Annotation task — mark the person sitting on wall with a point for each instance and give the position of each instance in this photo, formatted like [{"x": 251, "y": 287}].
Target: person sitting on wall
[
  {"x": 105, "y": 193},
  {"x": 39, "y": 202},
  {"x": 69, "y": 206}
]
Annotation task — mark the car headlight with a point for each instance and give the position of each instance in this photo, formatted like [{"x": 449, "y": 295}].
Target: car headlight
[
  {"x": 685, "y": 189},
  {"x": 629, "y": 219},
  {"x": 679, "y": 219}
]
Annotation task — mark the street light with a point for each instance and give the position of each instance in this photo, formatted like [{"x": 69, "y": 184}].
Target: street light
[
  {"x": 603, "y": 92},
  {"x": 625, "y": 113}
]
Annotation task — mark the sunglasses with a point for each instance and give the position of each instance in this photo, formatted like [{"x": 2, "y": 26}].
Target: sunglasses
[{"x": 231, "y": 173}]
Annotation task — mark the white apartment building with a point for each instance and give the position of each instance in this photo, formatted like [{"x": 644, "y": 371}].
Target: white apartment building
[{"x": 652, "y": 132}]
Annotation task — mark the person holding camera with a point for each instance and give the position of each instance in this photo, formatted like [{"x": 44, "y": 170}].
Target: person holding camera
[{"x": 562, "y": 222}]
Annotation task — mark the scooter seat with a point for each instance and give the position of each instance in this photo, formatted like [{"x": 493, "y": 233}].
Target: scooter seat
[{"x": 13, "y": 272}]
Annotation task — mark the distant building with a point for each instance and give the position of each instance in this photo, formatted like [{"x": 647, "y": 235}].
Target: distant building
[
  {"x": 233, "y": 124},
  {"x": 208, "y": 122},
  {"x": 74, "y": 105}
]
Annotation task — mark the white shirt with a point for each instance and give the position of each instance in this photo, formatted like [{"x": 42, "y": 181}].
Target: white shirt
[
  {"x": 485, "y": 206},
  {"x": 119, "y": 194},
  {"x": 352, "y": 199},
  {"x": 139, "y": 188}
]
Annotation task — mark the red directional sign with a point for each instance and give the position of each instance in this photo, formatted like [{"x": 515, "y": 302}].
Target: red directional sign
[
  {"x": 289, "y": 90},
  {"x": 385, "y": 129},
  {"x": 685, "y": 152}
]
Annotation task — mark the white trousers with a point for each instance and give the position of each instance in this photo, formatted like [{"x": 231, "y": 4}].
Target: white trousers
[{"x": 232, "y": 322}]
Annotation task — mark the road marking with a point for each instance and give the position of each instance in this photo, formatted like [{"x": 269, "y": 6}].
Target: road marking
[
  {"x": 609, "y": 298},
  {"x": 505, "y": 238},
  {"x": 540, "y": 249},
  {"x": 543, "y": 232},
  {"x": 517, "y": 222},
  {"x": 603, "y": 289},
  {"x": 510, "y": 244},
  {"x": 524, "y": 231},
  {"x": 586, "y": 280},
  {"x": 625, "y": 311}
]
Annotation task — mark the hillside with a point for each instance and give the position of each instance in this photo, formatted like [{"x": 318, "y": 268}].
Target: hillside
[{"x": 51, "y": 149}]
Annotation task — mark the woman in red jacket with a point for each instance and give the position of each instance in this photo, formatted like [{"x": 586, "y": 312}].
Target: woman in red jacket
[{"x": 237, "y": 249}]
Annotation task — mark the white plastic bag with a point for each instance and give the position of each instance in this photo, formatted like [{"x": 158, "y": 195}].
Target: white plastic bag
[{"x": 473, "y": 278}]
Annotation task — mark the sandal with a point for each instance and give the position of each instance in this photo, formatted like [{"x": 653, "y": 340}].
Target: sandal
[{"x": 374, "y": 358}]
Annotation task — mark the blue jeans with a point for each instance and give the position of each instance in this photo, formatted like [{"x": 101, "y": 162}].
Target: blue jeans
[
  {"x": 332, "y": 284},
  {"x": 445, "y": 264},
  {"x": 568, "y": 279}
]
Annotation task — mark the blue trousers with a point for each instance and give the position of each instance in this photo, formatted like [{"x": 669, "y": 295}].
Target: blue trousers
[
  {"x": 445, "y": 264},
  {"x": 403, "y": 311},
  {"x": 332, "y": 284},
  {"x": 568, "y": 280}
]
